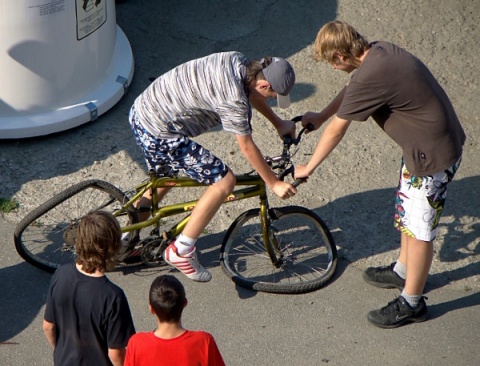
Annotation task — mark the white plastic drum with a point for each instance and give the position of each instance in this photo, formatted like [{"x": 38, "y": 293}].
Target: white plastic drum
[{"x": 62, "y": 63}]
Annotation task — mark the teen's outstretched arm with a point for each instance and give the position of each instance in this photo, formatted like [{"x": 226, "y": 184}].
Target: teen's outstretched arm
[
  {"x": 330, "y": 138},
  {"x": 318, "y": 119}
]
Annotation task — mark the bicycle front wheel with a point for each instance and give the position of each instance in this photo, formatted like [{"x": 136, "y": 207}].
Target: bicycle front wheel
[
  {"x": 46, "y": 236},
  {"x": 305, "y": 250}
]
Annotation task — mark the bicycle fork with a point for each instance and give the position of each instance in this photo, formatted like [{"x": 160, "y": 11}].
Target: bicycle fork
[{"x": 269, "y": 239}]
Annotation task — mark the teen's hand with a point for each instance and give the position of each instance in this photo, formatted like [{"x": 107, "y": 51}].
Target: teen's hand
[
  {"x": 286, "y": 127},
  {"x": 284, "y": 190},
  {"x": 301, "y": 171},
  {"x": 313, "y": 119}
]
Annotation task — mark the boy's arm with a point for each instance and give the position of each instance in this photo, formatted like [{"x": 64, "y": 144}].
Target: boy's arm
[
  {"x": 284, "y": 127},
  {"x": 255, "y": 158},
  {"x": 330, "y": 138},
  {"x": 317, "y": 119},
  {"x": 117, "y": 356},
  {"x": 49, "y": 331}
]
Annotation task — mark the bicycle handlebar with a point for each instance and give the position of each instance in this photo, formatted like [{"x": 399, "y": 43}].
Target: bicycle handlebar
[
  {"x": 294, "y": 141},
  {"x": 288, "y": 141}
]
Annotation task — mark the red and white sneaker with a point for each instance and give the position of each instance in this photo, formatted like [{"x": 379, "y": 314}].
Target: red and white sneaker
[{"x": 187, "y": 264}]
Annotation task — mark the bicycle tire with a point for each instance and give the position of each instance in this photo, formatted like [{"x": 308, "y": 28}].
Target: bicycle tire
[
  {"x": 45, "y": 236},
  {"x": 305, "y": 245}
]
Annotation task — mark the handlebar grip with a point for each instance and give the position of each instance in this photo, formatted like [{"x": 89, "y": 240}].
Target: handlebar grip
[
  {"x": 297, "y": 118},
  {"x": 298, "y": 181},
  {"x": 309, "y": 126}
]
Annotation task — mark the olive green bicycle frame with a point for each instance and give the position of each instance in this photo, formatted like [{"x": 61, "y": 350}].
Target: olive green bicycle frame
[{"x": 256, "y": 187}]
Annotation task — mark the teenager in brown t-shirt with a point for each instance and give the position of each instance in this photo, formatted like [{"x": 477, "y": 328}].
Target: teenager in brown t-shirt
[{"x": 399, "y": 92}]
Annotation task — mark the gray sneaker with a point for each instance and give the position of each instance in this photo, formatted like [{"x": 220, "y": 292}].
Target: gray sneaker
[
  {"x": 383, "y": 277},
  {"x": 399, "y": 312}
]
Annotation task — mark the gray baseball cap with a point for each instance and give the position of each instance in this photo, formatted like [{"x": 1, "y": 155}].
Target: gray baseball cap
[{"x": 281, "y": 77}]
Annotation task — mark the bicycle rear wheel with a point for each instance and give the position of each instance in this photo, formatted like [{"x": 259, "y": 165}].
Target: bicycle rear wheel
[
  {"x": 306, "y": 252},
  {"x": 46, "y": 237}
]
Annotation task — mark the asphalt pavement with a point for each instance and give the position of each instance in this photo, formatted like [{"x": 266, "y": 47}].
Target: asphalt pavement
[{"x": 327, "y": 326}]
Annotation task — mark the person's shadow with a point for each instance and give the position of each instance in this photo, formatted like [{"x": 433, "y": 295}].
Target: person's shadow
[
  {"x": 23, "y": 292},
  {"x": 362, "y": 226}
]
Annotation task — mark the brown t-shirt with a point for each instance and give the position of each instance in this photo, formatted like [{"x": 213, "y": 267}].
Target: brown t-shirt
[{"x": 399, "y": 92}]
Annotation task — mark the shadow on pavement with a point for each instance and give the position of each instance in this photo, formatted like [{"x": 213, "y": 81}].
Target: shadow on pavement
[
  {"x": 23, "y": 292},
  {"x": 162, "y": 36},
  {"x": 362, "y": 226}
]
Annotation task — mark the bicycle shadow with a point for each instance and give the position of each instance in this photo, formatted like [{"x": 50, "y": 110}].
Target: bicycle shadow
[{"x": 362, "y": 226}]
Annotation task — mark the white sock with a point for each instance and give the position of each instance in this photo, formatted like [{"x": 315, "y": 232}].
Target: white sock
[
  {"x": 125, "y": 238},
  {"x": 184, "y": 244},
  {"x": 400, "y": 269},
  {"x": 413, "y": 300}
]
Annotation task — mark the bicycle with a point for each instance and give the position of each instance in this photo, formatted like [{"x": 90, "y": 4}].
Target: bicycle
[{"x": 285, "y": 249}]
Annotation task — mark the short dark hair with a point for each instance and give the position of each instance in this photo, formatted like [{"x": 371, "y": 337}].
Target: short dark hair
[
  {"x": 98, "y": 241},
  {"x": 167, "y": 298},
  {"x": 254, "y": 69}
]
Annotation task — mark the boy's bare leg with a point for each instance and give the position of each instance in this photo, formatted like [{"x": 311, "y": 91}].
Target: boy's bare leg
[
  {"x": 208, "y": 205},
  {"x": 403, "y": 249},
  {"x": 419, "y": 256},
  {"x": 146, "y": 201},
  {"x": 182, "y": 254}
]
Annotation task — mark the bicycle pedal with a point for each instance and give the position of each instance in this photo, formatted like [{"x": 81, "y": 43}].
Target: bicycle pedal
[{"x": 167, "y": 236}]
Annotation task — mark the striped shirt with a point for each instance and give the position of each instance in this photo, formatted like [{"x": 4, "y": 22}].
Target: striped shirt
[{"x": 197, "y": 96}]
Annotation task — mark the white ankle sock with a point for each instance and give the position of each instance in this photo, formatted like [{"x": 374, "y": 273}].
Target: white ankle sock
[
  {"x": 400, "y": 269},
  {"x": 412, "y": 300},
  {"x": 184, "y": 244}
]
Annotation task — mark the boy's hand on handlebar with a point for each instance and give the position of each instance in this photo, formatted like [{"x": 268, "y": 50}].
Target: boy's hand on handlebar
[
  {"x": 301, "y": 172},
  {"x": 285, "y": 128},
  {"x": 284, "y": 190},
  {"x": 312, "y": 119}
]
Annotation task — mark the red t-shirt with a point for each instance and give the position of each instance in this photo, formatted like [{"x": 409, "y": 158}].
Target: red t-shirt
[{"x": 191, "y": 348}]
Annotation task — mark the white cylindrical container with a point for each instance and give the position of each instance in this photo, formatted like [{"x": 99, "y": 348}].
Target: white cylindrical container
[{"x": 62, "y": 63}]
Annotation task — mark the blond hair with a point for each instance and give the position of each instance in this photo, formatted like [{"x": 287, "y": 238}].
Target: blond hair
[{"x": 338, "y": 36}]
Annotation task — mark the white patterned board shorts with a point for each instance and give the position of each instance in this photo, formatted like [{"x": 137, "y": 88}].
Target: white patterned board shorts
[
  {"x": 168, "y": 157},
  {"x": 420, "y": 200}
]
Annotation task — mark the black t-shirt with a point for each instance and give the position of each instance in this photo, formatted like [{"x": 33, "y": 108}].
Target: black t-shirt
[
  {"x": 399, "y": 92},
  {"x": 90, "y": 314}
]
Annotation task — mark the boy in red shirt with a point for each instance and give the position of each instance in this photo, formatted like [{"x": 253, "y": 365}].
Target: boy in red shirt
[{"x": 170, "y": 343}]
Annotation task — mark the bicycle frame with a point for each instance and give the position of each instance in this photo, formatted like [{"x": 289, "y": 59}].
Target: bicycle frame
[
  {"x": 256, "y": 187},
  {"x": 281, "y": 250}
]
